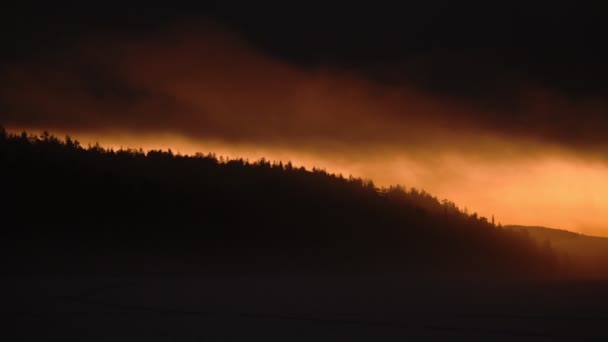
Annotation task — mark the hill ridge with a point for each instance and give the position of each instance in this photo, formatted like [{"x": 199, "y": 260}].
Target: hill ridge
[{"x": 158, "y": 205}]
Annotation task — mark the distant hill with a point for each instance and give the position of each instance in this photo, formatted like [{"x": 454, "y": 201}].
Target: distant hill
[
  {"x": 76, "y": 209},
  {"x": 588, "y": 253},
  {"x": 544, "y": 232}
]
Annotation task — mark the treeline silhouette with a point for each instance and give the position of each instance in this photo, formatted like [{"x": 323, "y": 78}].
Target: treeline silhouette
[{"x": 90, "y": 209}]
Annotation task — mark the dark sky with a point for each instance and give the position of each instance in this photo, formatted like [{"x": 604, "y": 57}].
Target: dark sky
[{"x": 558, "y": 43}]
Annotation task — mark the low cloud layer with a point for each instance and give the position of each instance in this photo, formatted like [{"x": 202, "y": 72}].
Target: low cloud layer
[{"x": 208, "y": 83}]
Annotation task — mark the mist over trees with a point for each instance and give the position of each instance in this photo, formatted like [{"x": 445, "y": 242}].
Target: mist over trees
[{"x": 96, "y": 208}]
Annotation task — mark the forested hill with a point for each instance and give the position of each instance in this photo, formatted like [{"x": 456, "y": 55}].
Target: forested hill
[
  {"x": 95, "y": 209},
  {"x": 588, "y": 255}
]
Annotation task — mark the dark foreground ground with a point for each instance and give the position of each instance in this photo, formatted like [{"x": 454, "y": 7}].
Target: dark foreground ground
[{"x": 298, "y": 308}]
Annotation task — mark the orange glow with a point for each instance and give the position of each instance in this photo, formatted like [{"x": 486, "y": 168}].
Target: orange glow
[{"x": 554, "y": 191}]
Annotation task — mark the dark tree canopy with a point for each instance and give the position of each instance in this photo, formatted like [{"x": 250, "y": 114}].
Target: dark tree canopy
[{"x": 136, "y": 208}]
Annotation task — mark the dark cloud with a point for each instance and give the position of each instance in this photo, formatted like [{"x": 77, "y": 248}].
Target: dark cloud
[
  {"x": 557, "y": 42},
  {"x": 206, "y": 82}
]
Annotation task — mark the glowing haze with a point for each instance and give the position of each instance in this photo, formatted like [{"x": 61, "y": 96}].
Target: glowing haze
[{"x": 533, "y": 161}]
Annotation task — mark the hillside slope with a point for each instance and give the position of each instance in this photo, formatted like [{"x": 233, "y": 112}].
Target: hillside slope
[{"x": 90, "y": 209}]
